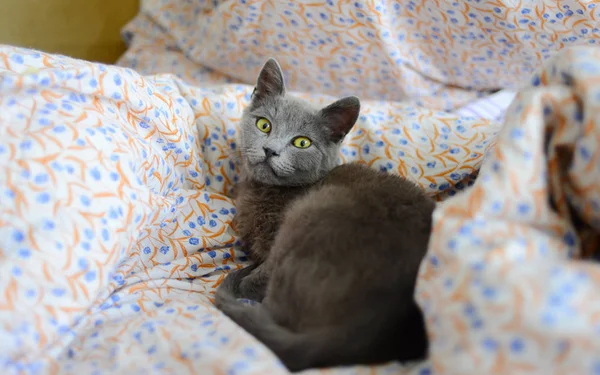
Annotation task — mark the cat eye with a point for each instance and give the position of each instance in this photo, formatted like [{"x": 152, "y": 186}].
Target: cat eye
[
  {"x": 263, "y": 125},
  {"x": 301, "y": 142}
]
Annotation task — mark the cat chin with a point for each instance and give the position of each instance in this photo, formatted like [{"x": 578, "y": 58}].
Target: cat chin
[
  {"x": 263, "y": 172},
  {"x": 266, "y": 173}
]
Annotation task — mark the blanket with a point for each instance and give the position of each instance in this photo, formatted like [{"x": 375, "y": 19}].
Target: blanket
[
  {"x": 116, "y": 225},
  {"x": 439, "y": 54},
  {"x": 510, "y": 282},
  {"x": 115, "y": 218}
]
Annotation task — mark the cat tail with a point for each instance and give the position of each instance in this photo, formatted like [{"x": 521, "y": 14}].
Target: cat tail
[{"x": 297, "y": 351}]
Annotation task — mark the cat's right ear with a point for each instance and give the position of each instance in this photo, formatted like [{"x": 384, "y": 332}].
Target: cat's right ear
[
  {"x": 270, "y": 81},
  {"x": 341, "y": 116}
]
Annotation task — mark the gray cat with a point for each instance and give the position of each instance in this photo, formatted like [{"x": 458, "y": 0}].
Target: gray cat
[{"x": 335, "y": 250}]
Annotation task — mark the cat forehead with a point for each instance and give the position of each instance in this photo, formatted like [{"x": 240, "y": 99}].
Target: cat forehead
[{"x": 288, "y": 110}]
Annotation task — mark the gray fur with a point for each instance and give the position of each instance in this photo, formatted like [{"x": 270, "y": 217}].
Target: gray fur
[
  {"x": 336, "y": 251},
  {"x": 290, "y": 118}
]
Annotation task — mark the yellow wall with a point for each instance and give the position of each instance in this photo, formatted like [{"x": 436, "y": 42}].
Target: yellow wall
[{"x": 85, "y": 29}]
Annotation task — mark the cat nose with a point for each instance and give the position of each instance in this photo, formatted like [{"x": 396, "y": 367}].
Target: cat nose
[{"x": 269, "y": 152}]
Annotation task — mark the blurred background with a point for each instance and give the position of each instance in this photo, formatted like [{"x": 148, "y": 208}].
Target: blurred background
[{"x": 84, "y": 29}]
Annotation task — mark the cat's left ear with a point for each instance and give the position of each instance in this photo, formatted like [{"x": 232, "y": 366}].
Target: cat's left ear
[
  {"x": 341, "y": 116},
  {"x": 270, "y": 81}
]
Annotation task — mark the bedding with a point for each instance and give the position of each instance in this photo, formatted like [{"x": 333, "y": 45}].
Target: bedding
[
  {"x": 440, "y": 54},
  {"x": 116, "y": 224},
  {"x": 510, "y": 283}
]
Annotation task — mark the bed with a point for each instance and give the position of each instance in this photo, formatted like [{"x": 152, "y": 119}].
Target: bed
[{"x": 115, "y": 217}]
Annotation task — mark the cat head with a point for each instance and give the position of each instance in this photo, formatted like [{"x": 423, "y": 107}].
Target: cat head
[{"x": 287, "y": 141}]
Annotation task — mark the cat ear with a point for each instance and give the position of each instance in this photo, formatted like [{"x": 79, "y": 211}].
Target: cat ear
[
  {"x": 270, "y": 81},
  {"x": 341, "y": 116}
]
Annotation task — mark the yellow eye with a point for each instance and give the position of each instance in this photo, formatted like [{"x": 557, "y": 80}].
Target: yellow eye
[
  {"x": 302, "y": 142},
  {"x": 263, "y": 125}
]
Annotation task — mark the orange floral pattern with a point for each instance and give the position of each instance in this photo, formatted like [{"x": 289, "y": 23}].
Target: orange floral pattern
[
  {"x": 511, "y": 280},
  {"x": 435, "y": 53},
  {"x": 115, "y": 222},
  {"x": 115, "y": 219}
]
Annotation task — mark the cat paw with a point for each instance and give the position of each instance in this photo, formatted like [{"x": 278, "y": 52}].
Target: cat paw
[{"x": 251, "y": 288}]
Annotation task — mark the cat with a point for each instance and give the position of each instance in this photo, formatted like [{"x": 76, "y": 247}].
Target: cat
[
  {"x": 335, "y": 250},
  {"x": 269, "y": 182}
]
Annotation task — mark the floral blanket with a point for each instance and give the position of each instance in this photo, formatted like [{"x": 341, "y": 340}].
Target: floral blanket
[{"x": 115, "y": 219}]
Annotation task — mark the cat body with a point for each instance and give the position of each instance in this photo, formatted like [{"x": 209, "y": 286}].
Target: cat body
[
  {"x": 335, "y": 249},
  {"x": 260, "y": 208}
]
